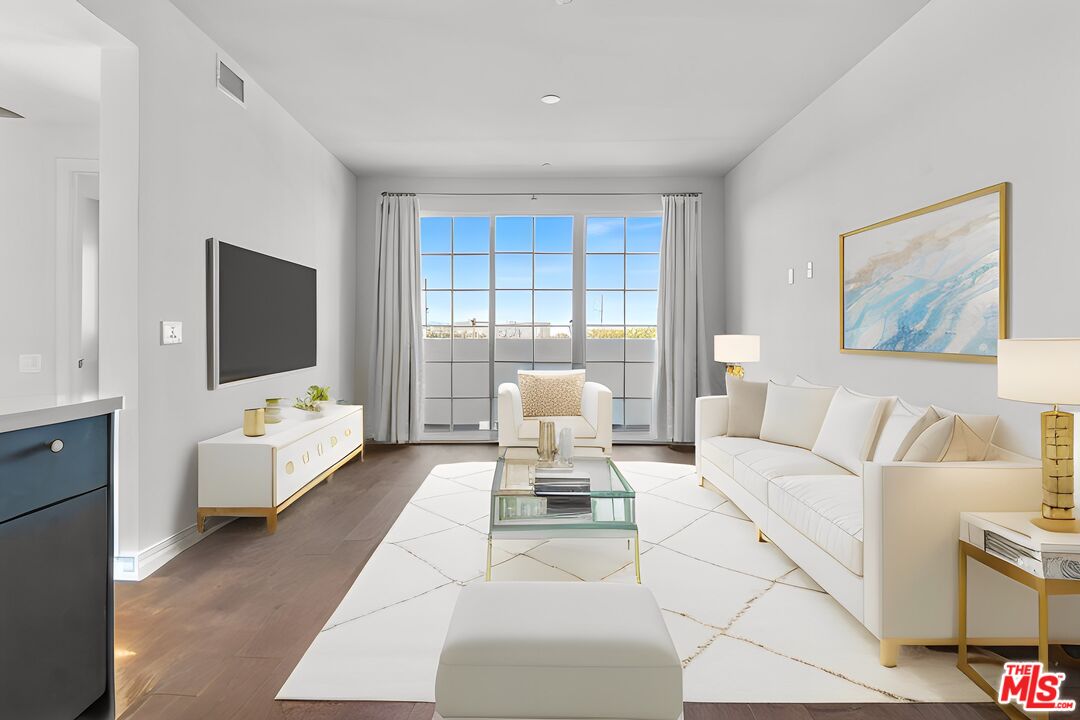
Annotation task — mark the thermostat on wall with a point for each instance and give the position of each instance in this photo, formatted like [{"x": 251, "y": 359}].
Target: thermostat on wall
[{"x": 172, "y": 332}]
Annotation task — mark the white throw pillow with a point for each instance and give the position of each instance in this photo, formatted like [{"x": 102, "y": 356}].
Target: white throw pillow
[
  {"x": 849, "y": 429},
  {"x": 950, "y": 439},
  {"x": 746, "y": 407},
  {"x": 982, "y": 425},
  {"x": 794, "y": 415},
  {"x": 800, "y": 381},
  {"x": 932, "y": 444},
  {"x": 901, "y": 427}
]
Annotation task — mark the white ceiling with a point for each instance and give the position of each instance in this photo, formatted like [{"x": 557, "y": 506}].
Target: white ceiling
[
  {"x": 451, "y": 87},
  {"x": 50, "y": 60}
]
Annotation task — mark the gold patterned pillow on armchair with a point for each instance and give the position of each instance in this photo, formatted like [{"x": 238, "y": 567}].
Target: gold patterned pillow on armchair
[{"x": 551, "y": 394}]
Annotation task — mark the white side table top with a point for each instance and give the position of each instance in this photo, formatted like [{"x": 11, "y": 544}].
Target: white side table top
[{"x": 1017, "y": 527}]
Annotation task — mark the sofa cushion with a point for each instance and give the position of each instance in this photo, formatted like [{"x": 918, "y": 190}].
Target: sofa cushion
[
  {"x": 793, "y": 415},
  {"x": 530, "y": 429},
  {"x": 827, "y": 510},
  {"x": 850, "y": 426},
  {"x": 551, "y": 392},
  {"x": 771, "y": 463},
  {"x": 722, "y": 450},
  {"x": 754, "y": 468}
]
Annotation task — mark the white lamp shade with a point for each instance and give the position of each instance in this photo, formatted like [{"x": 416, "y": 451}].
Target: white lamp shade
[
  {"x": 736, "y": 348},
  {"x": 1040, "y": 370}
]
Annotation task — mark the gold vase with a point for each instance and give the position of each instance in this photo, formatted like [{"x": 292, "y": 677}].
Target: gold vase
[
  {"x": 545, "y": 445},
  {"x": 254, "y": 422}
]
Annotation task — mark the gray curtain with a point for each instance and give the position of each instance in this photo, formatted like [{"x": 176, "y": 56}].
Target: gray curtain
[
  {"x": 682, "y": 361},
  {"x": 395, "y": 380}
]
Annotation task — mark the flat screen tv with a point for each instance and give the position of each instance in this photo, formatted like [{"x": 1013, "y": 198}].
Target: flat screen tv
[{"x": 261, "y": 314}]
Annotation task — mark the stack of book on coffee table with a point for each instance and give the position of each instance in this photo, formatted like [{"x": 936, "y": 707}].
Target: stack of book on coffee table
[{"x": 566, "y": 495}]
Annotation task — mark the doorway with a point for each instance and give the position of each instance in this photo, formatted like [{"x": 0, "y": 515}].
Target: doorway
[{"x": 77, "y": 303}]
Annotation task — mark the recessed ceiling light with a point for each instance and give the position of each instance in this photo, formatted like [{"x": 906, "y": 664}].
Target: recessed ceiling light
[
  {"x": 550, "y": 99},
  {"x": 563, "y": 2},
  {"x": 545, "y": 164}
]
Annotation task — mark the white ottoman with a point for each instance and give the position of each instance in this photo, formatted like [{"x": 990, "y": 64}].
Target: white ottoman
[{"x": 558, "y": 650}]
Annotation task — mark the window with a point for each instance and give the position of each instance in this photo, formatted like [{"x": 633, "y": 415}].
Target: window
[
  {"x": 455, "y": 280},
  {"x": 622, "y": 274},
  {"x": 502, "y": 293}
]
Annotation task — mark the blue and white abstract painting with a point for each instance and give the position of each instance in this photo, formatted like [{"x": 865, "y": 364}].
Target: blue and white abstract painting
[{"x": 929, "y": 283}]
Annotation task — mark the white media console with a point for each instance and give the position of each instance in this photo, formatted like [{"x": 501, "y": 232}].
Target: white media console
[{"x": 244, "y": 476}]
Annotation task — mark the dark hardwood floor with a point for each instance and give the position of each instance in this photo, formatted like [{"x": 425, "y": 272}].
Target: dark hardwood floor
[{"x": 215, "y": 633}]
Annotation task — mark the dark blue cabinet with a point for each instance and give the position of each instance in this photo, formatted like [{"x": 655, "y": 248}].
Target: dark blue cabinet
[{"x": 56, "y": 570}]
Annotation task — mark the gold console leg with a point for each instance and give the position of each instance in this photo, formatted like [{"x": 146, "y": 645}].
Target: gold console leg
[
  {"x": 200, "y": 521},
  {"x": 890, "y": 652},
  {"x": 761, "y": 536},
  {"x": 487, "y": 568},
  {"x": 271, "y": 522}
]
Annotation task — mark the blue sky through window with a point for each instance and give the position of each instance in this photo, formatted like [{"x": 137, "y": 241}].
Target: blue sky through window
[{"x": 607, "y": 270}]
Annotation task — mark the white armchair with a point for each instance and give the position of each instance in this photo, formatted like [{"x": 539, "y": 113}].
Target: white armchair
[{"x": 592, "y": 428}]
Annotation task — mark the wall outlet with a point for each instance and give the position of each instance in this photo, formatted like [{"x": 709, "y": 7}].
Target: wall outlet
[
  {"x": 30, "y": 363},
  {"x": 791, "y": 276},
  {"x": 172, "y": 332},
  {"x": 809, "y": 270}
]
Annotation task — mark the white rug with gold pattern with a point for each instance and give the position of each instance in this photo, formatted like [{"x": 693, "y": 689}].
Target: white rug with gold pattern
[{"x": 749, "y": 625}]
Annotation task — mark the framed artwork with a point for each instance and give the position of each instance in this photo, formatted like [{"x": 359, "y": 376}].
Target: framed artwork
[{"x": 930, "y": 283}]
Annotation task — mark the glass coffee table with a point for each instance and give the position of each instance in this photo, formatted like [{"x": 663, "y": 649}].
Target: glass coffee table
[{"x": 603, "y": 509}]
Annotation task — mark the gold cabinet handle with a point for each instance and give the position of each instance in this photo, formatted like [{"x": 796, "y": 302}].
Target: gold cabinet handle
[
  {"x": 319, "y": 448},
  {"x": 333, "y": 441},
  {"x": 306, "y": 457},
  {"x": 289, "y": 467},
  {"x": 348, "y": 432}
]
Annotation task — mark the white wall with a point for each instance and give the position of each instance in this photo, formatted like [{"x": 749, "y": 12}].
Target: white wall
[
  {"x": 369, "y": 189},
  {"x": 28, "y": 229},
  {"x": 967, "y": 94},
  {"x": 208, "y": 167}
]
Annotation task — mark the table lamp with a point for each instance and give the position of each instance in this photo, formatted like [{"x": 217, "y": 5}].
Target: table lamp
[
  {"x": 1047, "y": 371},
  {"x": 735, "y": 350}
]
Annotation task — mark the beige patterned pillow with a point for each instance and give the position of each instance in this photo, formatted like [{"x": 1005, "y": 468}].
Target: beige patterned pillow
[{"x": 551, "y": 394}]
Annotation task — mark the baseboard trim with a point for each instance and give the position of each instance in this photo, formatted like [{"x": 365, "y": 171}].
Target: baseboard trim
[{"x": 143, "y": 564}]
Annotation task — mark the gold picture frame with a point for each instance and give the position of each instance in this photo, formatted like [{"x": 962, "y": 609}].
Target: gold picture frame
[{"x": 1001, "y": 190}]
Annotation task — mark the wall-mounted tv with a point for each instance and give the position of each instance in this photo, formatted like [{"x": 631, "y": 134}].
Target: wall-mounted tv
[{"x": 261, "y": 314}]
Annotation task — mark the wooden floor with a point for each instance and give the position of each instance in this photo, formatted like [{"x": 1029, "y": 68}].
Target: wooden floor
[{"x": 215, "y": 633}]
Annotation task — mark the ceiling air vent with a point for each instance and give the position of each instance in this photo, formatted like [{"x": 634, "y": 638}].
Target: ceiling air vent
[
  {"x": 229, "y": 82},
  {"x": 5, "y": 113}
]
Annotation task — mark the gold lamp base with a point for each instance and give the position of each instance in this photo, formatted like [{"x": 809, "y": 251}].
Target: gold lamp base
[
  {"x": 1061, "y": 526},
  {"x": 735, "y": 370},
  {"x": 1058, "y": 502}
]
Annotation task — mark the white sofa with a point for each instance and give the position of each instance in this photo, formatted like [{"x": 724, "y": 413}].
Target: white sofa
[
  {"x": 883, "y": 543},
  {"x": 592, "y": 428}
]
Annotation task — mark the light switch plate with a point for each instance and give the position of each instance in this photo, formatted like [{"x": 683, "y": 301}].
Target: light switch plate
[
  {"x": 30, "y": 363},
  {"x": 791, "y": 276},
  {"x": 809, "y": 270},
  {"x": 172, "y": 332}
]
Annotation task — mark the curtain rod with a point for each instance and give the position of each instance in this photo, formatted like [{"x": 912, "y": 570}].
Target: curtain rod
[{"x": 529, "y": 194}]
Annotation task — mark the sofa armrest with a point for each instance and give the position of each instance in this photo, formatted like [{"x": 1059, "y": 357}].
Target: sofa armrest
[
  {"x": 911, "y": 526},
  {"x": 710, "y": 420},
  {"x": 596, "y": 409},
  {"x": 510, "y": 414}
]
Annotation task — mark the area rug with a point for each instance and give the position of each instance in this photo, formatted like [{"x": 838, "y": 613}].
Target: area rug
[{"x": 748, "y": 624}]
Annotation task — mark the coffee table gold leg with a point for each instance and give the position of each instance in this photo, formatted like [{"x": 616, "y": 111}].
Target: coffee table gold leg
[
  {"x": 487, "y": 569},
  {"x": 637, "y": 557}
]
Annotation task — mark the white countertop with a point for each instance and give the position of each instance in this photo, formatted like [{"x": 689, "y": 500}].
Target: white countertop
[{"x": 18, "y": 414}]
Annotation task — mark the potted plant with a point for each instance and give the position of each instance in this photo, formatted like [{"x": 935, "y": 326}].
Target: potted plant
[{"x": 313, "y": 401}]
